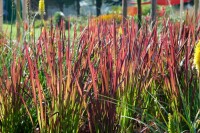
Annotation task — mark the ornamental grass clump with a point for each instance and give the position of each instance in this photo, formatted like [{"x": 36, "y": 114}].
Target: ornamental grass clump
[{"x": 102, "y": 80}]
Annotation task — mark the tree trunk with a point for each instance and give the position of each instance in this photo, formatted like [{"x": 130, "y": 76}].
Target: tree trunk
[
  {"x": 124, "y": 10},
  {"x": 78, "y": 7},
  {"x": 196, "y": 6},
  {"x": 139, "y": 13},
  {"x": 1, "y": 15},
  {"x": 98, "y": 7},
  {"x": 120, "y": 2},
  {"x": 25, "y": 10},
  {"x": 199, "y": 5},
  {"x": 181, "y": 8},
  {"x": 18, "y": 12},
  {"x": 46, "y": 11},
  {"x": 153, "y": 11}
]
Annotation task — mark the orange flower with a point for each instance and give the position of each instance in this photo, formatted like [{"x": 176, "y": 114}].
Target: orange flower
[{"x": 25, "y": 26}]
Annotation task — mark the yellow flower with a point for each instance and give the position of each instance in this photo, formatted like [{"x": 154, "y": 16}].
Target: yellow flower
[
  {"x": 41, "y": 7},
  {"x": 110, "y": 18},
  {"x": 197, "y": 57},
  {"x": 32, "y": 32},
  {"x": 120, "y": 31}
]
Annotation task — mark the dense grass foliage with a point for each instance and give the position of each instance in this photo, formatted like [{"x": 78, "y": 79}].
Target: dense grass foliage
[{"x": 107, "y": 78}]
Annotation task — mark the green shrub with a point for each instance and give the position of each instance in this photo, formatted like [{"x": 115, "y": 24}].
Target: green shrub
[
  {"x": 38, "y": 24},
  {"x": 146, "y": 9},
  {"x": 116, "y": 9},
  {"x": 58, "y": 17}
]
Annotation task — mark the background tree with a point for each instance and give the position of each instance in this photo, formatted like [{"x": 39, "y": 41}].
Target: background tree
[
  {"x": 124, "y": 10},
  {"x": 98, "y": 7},
  {"x": 10, "y": 9},
  {"x": 1, "y": 15},
  {"x": 25, "y": 10},
  {"x": 181, "y": 8},
  {"x": 153, "y": 11},
  {"x": 78, "y": 7},
  {"x": 119, "y": 2},
  {"x": 196, "y": 6},
  {"x": 139, "y": 13},
  {"x": 18, "y": 13},
  {"x": 61, "y": 4},
  {"x": 93, "y": 2}
]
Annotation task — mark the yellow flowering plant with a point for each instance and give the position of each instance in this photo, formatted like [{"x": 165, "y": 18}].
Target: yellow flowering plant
[
  {"x": 41, "y": 10},
  {"x": 41, "y": 7},
  {"x": 109, "y": 18},
  {"x": 197, "y": 57},
  {"x": 32, "y": 31}
]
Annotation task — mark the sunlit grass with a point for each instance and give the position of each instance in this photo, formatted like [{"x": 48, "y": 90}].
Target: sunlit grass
[{"x": 7, "y": 28}]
